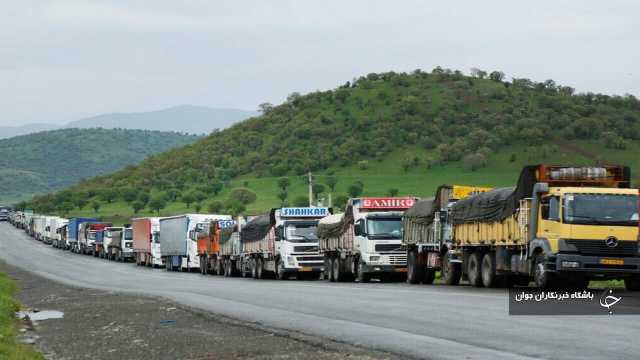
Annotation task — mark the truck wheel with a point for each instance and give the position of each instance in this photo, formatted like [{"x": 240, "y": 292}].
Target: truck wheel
[
  {"x": 252, "y": 264},
  {"x": 259, "y": 269},
  {"x": 488, "y": 270},
  {"x": 451, "y": 271},
  {"x": 415, "y": 272},
  {"x": 363, "y": 277},
  {"x": 202, "y": 265},
  {"x": 541, "y": 276},
  {"x": 336, "y": 271},
  {"x": 473, "y": 270},
  {"x": 328, "y": 269},
  {"x": 632, "y": 283},
  {"x": 429, "y": 276},
  {"x": 220, "y": 268}
]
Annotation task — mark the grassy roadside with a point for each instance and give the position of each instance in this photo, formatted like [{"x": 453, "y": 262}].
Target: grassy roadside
[{"x": 10, "y": 348}]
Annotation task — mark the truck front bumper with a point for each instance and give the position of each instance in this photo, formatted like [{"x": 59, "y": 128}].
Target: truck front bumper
[
  {"x": 599, "y": 265},
  {"x": 367, "y": 268}
]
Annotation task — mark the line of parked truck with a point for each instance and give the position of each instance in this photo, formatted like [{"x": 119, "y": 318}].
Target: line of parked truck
[{"x": 559, "y": 226}]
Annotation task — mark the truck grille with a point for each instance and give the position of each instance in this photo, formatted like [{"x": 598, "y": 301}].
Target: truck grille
[
  {"x": 388, "y": 247},
  {"x": 598, "y": 247},
  {"x": 398, "y": 260},
  {"x": 310, "y": 258},
  {"x": 310, "y": 248}
]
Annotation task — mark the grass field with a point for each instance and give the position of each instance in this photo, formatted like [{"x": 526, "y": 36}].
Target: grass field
[
  {"x": 380, "y": 176},
  {"x": 10, "y": 348}
]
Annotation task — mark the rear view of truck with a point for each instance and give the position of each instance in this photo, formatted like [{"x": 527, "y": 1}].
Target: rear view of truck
[
  {"x": 146, "y": 241},
  {"x": 208, "y": 237},
  {"x": 73, "y": 233}
]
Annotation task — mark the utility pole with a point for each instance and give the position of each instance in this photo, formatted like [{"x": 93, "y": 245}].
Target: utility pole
[{"x": 310, "y": 189}]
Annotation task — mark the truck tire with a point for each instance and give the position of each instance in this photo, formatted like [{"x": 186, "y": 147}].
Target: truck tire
[
  {"x": 219, "y": 267},
  {"x": 363, "y": 277},
  {"x": 254, "y": 272},
  {"x": 328, "y": 269},
  {"x": 415, "y": 272},
  {"x": 202, "y": 266},
  {"x": 488, "y": 270},
  {"x": 336, "y": 271},
  {"x": 259, "y": 269},
  {"x": 473, "y": 269},
  {"x": 451, "y": 271},
  {"x": 429, "y": 276},
  {"x": 632, "y": 283},
  {"x": 542, "y": 278}
]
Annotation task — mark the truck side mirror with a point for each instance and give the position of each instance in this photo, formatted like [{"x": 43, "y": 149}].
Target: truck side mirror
[
  {"x": 358, "y": 228},
  {"x": 279, "y": 233}
]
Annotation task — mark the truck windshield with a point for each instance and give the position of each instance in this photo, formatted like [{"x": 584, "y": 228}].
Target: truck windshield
[
  {"x": 128, "y": 234},
  {"x": 301, "y": 232},
  {"x": 384, "y": 228},
  {"x": 601, "y": 209}
]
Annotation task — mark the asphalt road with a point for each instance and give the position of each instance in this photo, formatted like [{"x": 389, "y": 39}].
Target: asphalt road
[{"x": 435, "y": 322}]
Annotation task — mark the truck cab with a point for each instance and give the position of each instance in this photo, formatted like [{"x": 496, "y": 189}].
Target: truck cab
[
  {"x": 296, "y": 244},
  {"x": 378, "y": 234}
]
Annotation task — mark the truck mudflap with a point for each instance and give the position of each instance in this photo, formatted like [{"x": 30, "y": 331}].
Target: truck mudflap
[
  {"x": 596, "y": 264},
  {"x": 384, "y": 268}
]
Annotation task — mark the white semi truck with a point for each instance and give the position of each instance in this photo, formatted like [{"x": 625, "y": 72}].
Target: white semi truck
[
  {"x": 178, "y": 248},
  {"x": 365, "y": 241},
  {"x": 117, "y": 243},
  {"x": 282, "y": 244},
  {"x": 146, "y": 241}
]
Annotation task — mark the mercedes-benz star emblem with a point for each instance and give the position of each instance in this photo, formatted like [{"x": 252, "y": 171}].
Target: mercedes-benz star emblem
[{"x": 611, "y": 241}]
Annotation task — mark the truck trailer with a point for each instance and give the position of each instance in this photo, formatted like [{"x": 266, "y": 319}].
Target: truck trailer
[
  {"x": 282, "y": 244},
  {"x": 177, "y": 245},
  {"x": 364, "y": 241},
  {"x": 54, "y": 223},
  {"x": 146, "y": 241},
  {"x": 561, "y": 226},
  {"x": 427, "y": 234}
]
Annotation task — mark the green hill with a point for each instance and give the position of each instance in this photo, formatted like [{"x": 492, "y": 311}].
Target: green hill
[
  {"x": 381, "y": 133},
  {"x": 51, "y": 160}
]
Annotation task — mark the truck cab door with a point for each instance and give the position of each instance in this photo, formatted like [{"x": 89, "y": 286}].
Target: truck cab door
[{"x": 549, "y": 224}]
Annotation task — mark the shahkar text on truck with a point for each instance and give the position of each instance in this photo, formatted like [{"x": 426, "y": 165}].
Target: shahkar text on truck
[
  {"x": 282, "y": 244},
  {"x": 364, "y": 242},
  {"x": 561, "y": 226}
]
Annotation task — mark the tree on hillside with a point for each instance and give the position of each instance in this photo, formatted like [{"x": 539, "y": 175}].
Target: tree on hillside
[
  {"x": 317, "y": 189},
  {"x": 80, "y": 200},
  {"x": 355, "y": 189},
  {"x": 393, "y": 192},
  {"x": 283, "y": 183},
  {"x": 496, "y": 76},
  {"x": 65, "y": 208},
  {"x": 283, "y": 195},
  {"x": 474, "y": 161},
  {"x": 188, "y": 198},
  {"x": 157, "y": 203},
  {"x": 144, "y": 197},
  {"x": 199, "y": 196},
  {"x": 215, "y": 207},
  {"x": 331, "y": 181},
  {"x": 301, "y": 201},
  {"x": 95, "y": 205},
  {"x": 234, "y": 208},
  {"x": 173, "y": 194},
  {"x": 265, "y": 108},
  {"x": 243, "y": 196},
  {"x": 340, "y": 201},
  {"x": 128, "y": 194},
  {"x": 198, "y": 207},
  {"x": 480, "y": 74},
  {"x": 108, "y": 195},
  {"x": 216, "y": 186},
  {"x": 137, "y": 206}
]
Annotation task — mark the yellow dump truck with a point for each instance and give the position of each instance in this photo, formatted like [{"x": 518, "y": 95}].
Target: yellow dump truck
[{"x": 560, "y": 226}]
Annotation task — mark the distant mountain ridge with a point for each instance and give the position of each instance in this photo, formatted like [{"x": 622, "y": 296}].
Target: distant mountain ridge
[{"x": 183, "y": 118}]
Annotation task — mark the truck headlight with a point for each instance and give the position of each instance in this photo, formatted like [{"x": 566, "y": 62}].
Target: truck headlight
[
  {"x": 374, "y": 258},
  {"x": 570, "y": 264},
  {"x": 291, "y": 261}
]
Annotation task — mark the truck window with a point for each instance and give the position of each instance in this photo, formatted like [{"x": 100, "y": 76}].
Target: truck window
[
  {"x": 156, "y": 237},
  {"x": 550, "y": 208}
]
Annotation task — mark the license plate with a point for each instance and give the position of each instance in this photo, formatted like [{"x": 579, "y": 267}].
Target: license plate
[
  {"x": 306, "y": 269},
  {"x": 400, "y": 270},
  {"x": 612, "y": 261}
]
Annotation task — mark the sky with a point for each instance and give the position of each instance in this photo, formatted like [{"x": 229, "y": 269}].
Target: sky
[{"x": 67, "y": 59}]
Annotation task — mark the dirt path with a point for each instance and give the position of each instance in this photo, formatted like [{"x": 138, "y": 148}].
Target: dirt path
[{"x": 103, "y": 325}]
